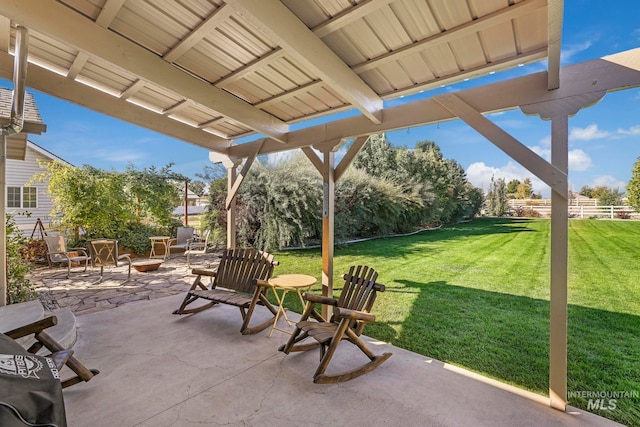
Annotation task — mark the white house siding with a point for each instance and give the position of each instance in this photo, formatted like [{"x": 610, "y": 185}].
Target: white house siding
[{"x": 18, "y": 174}]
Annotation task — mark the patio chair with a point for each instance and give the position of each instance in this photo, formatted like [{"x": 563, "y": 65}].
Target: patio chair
[
  {"x": 350, "y": 314},
  {"x": 104, "y": 253},
  {"x": 184, "y": 236},
  {"x": 57, "y": 252},
  {"x": 197, "y": 247},
  {"x": 239, "y": 280},
  {"x": 60, "y": 355}
]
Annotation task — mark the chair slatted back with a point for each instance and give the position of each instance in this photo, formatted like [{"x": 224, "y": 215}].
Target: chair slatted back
[
  {"x": 104, "y": 252},
  {"x": 238, "y": 267},
  {"x": 360, "y": 288}
]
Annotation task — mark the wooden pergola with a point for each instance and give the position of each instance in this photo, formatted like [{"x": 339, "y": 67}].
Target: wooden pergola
[{"x": 210, "y": 72}]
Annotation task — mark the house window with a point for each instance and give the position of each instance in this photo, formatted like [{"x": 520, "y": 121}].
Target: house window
[
  {"x": 29, "y": 197},
  {"x": 22, "y": 197}
]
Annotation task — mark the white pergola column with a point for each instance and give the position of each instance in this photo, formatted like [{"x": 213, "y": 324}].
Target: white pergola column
[
  {"x": 559, "y": 257},
  {"x": 328, "y": 226},
  {"x": 556, "y": 176},
  {"x": 232, "y": 171},
  {"x": 3, "y": 213},
  {"x": 330, "y": 174},
  {"x": 559, "y": 112}
]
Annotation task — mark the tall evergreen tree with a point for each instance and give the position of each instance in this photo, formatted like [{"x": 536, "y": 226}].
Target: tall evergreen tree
[{"x": 633, "y": 187}]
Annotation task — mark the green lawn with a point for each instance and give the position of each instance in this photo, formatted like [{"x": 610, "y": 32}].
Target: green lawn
[{"x": 476, "y": 295}]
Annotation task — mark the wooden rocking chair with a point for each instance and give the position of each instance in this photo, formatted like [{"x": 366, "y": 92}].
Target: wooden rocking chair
[
  {"x": 235, "y": 282},
  {"x": 350, "y": 314}
]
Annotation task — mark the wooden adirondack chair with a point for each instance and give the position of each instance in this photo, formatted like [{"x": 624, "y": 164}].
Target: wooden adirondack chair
[
  {"x": 235, "y": 282},
  {"x": 350, "y": 314}
]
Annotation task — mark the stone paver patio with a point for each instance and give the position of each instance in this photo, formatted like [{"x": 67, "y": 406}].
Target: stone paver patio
[{"x": 82, "y": 293}]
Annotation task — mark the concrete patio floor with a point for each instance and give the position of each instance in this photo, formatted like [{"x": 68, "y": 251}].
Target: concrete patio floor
[{"x": 159, "y": 369}]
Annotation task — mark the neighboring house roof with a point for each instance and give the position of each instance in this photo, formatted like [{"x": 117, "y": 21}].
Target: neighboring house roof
[
  {"x": 192, "y": 210},
  {"x": 17, "y": 143},
  {"x": 46, "y": 152},
  {"x": 32, "y": 120}
]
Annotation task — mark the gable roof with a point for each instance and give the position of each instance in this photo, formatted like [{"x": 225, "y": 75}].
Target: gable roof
[
  {"x": 32, "y": 120},
  {"x": 46, "y": 153}
]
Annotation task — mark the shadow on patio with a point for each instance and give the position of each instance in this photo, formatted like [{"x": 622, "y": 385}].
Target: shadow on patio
[{"x": 159, "y": 369}]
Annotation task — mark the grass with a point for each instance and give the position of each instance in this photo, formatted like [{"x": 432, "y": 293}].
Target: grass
[{"x": 476, "y": 295}]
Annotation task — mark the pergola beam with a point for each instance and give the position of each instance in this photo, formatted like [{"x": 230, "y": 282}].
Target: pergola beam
[
  {"x": 609, "y": 73},
  {"x": 70, "y": 90},
  {"x": 553, "y": 177},
  {"x": 91, "y": 38},
  {"x": 455, "y": 33},
  {"x": 273, "y": 18},
  {"x": 554, "y": 39},
  {"x": 233, "y": 191},
  {"x": 201, "y": 31}
]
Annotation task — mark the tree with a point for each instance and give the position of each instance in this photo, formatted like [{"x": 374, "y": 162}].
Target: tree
[
  {"x": 86, "y": 197},
  {"x": 155, "y": 192},
  {"x": 198, "y": 187},
  {"x": 524, "y": 190},
  {"x": 512, "y": 187},
  {"x": 497, "y": 204},
  {"x": 377, "y": 157},
  {"x": 212, "y": 172},
  {"x": 633, "y": 187},
  {"x": 586, "y": 191},
  {"x": 104, "y": 203},
  {"x": 607, "y": 196}
]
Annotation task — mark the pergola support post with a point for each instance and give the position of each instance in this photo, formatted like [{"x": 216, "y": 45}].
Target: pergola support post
[
  {"x": 232, "y": 172},
  {"x": 328, "y": 226},
  {"x": 3, "y": 231},
  {"x": 556, "y": 176},
  {"x": 330, "y": 174},
  {"x": 559, "y": 256}
]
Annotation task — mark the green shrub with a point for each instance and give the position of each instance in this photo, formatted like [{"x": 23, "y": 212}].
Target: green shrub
[
  {"x": 19, "y": 289},
  {"x": 136, "y": 237}
]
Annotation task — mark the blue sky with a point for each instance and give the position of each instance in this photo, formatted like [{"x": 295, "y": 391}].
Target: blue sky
[{"x": 604, "y": 140}]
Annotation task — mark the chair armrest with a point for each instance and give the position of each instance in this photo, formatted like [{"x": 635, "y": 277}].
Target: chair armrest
[
  {"x": 32, "y": 328},
  {"x": 60, "y": 253},
  {"x": 345, "y": 313},
  {"x": 196, "y": 246},
  {"x": 125, "y": 256},
  {"x": 262, "y": 283},
  {"x": 82, "y": 251},
  {"x": 319, "y": 299},
  {"x": 204, "y": 272},
  {"x": 171, "y": 241}
]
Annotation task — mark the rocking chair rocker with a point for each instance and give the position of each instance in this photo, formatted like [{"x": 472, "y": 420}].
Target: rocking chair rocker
[{"x": 350, "y": 314}]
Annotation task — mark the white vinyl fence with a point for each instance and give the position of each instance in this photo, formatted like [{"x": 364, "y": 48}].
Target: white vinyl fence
[{"x": 582, "y": 211}]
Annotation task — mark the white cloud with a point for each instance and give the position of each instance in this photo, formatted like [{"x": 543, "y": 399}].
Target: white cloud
[
  {"x": 119, "y": 155},
  {"x": 274, "y": 159},
  {"x": 587, "y": 134},
  {"x": 543, "y": 152},
  {"x": 546, "y": 141},
  {"x": 608, "y": 181},
  {"x": 579, "y": 160},
  {"x": 633, "y": 130},
  {"x": 479, "y": 174},
  {"x": 574, "y": 49}
]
